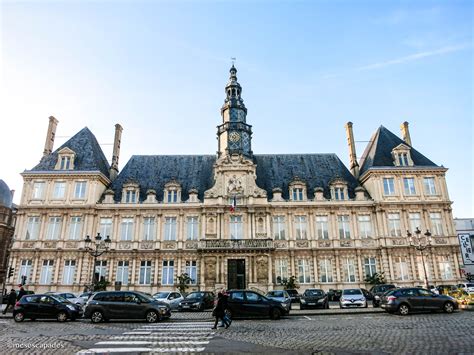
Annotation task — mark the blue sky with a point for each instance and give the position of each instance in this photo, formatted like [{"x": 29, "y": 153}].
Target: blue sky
[{"x": 159, "y": 68}]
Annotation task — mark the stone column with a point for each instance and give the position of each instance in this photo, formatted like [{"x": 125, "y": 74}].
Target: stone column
[
  {"x": 270, "y": 273},
  {"x": 359, "y": 267},
  {"x": 338, "y": 268}
]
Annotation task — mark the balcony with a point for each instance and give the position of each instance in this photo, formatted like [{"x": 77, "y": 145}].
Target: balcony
[{"x": 235, "y": 244}]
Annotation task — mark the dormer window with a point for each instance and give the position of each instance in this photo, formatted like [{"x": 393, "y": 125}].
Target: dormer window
[
  {"x": 339, "y": 193},
  {"x": 172, "y": 196},
  {"x": 172, "y": 193},
  {"x": 338, "y": 189},
  {"x": 297, "y": 190},
  {"x": 130, "y": 193},
  {"x": 131, "y": 196},
  {"x": 401, "y": 155},
  {"x": 65, "y": 159},
  {"x": 297, "y": 194}
]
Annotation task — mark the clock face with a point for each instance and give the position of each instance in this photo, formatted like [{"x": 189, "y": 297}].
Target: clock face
[{"x": 234, "y": 136}]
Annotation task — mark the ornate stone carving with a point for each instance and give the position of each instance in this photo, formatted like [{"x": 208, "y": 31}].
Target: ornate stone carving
[
  {"x": 345, "y": 243},
  {"x": 49, "y": 245},
  {"x": 261, "y": 235},
  {"x": 70, "y": 245},
  {"x": 210, "y": 268},
  {"x": 281, "y": 244},
  {"x": 398, "y": 242},
  {"x": 169, "y": 245},
  {"x": 367, "y": 242},
  {"x": 191, "y": 244},
  {"x": 29, "y": 245},
  {"x": 146, "y": 245},
  {"x": 302, "y": 243},
  {"x": 126, "y": 245},
  {"x": 441, "y": 240},
  {"x": 262, "y": 269},
  {"x": 234, "y": 185},
  {"x": 324, "y": 244}
]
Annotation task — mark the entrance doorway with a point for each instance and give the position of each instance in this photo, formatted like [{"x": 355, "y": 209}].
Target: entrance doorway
[{"x": 236, "y": 274}]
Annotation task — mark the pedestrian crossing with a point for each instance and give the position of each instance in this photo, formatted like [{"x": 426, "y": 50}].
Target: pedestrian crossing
[{"x": 158, "y": 338}]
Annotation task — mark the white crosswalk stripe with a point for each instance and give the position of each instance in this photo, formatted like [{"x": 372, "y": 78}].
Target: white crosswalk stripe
[{"x": 158, "y": 338}]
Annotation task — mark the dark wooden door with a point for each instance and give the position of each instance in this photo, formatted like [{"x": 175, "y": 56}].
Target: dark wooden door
[{"x": 236, "y": 274}]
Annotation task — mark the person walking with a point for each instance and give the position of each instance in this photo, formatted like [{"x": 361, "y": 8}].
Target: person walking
[
  {"x": 11, "y": 300},
  {"x": 226, "y": 319},
  {"x": 219, "y": 311},
  {"x": 21, "y": 293}
]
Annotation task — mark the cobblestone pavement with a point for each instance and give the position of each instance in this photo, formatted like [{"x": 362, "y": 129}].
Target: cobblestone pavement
[{"x": 341, "y": 334}]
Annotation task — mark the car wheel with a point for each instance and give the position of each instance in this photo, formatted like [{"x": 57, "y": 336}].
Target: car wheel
[
  {"x": 152, "y": 317},
  {"x": 97, "y": 317},
  {"x": 19, "y": 317},
  {"x": 275, "y": 313},
  {"x": 61, "y": 317},
  {"x": 403, "y": 309},
  {"x": 448, "y": 307}
]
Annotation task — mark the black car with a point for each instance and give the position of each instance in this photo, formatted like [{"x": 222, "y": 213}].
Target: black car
[
  {"x": 407, "y": 300},
  {"x": 198, "y": 301},
  {"x": 108, "y": 305},
  {"x": 47, "y": 307},
  {"x": 294, "y": 295},
  {"x": 314, "y": 298},
  {"x": 377, "y": 291},
  {"x": 245, "y": 303}
]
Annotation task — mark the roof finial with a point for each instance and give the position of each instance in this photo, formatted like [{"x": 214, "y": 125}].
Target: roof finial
[{"x": 233, "y": 59}]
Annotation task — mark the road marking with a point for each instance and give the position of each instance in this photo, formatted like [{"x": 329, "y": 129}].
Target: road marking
[
  {"x": 368, "y": 317},
  {"x": 161, "y": 337},
  {"x": 137, "y": 333},
  {"x": 307, "y": 318},
  {"x": 140, "y": 350}
]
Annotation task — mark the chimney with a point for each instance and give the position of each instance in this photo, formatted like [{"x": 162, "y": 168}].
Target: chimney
[
  {"x": 116, "y": 153},
  {"x": 48, "y": 145},
  {"x": 405, "y": 133},
  {"x": 353, "y": 165}
]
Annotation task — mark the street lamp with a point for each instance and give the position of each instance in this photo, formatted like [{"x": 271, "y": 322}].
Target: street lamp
[
  {"x": 96, "y": 248},
  {"x": 420, "y": 243}
]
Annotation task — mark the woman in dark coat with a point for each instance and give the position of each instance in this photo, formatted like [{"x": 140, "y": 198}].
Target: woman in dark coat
[{"x": 219, "y": 311}]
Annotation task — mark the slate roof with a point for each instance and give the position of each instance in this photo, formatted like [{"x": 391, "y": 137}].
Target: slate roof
[
  {"x": 89, "y": 155},
  {"x": 196, "y": 171},
  {"x": 379, "y": 151},
  {"x": 5, "y": 195}
]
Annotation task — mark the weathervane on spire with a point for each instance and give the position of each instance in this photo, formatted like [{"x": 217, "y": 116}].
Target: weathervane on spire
[{"x": 233, "y": 59}]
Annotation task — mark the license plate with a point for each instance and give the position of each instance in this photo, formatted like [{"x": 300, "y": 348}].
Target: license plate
[
  {"x": 185, "y": 306},
  {"x": 311, "y": 304}
]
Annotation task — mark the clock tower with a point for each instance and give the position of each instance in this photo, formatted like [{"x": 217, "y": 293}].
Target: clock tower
[{"x": 234, "y": 134}]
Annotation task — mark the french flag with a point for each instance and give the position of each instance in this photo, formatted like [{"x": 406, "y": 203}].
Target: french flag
[{"x": 233, "y": 204}]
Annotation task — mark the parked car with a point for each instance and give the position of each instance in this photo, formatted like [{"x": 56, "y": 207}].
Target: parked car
[
  {"x": 294, "y": 295},
  {"x": 367, "y": 294},
  {"x": 467, "y": 287},
  {"x": 352, "y": 297},
  {"x": 45, "y": 306},
  {"x": 246, "y": 303},
  {"x": 408, "y": 299},
  {"x": 70, "y": 297},
  {"x": 334, "y": 295},
  {"x": 314, "y": 298},
  {"x": 170, "y": 297},
  {"x": 86, "y": 295},
  {"x": 280, "y": 296},
  {"x": 107, "y": 305},
  {"x": 378, "y": 290},
  {"x": 198, "y": 301}
]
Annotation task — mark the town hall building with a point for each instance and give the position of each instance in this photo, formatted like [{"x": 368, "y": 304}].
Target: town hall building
[{"x": 235, "y": 219}]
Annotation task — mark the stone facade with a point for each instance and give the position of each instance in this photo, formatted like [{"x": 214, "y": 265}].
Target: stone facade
[
  {"x": 235, "y": 219},
  {"x": 7, "y": 226}
]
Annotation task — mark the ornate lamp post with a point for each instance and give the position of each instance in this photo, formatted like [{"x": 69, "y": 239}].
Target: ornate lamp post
[
  {"x": 420, "y": 243},
  {"x": 96, "y": 248}
]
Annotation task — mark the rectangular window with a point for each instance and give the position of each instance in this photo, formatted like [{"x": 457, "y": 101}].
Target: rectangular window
[
  {"x": 415, "y": 221},
  {"x": 69, "y": 272},
  {"x": 149, "y": 228},
  {"x": 370, "y": 267},
  {"x": 54, "y": 228},
  {"x": 130, "y": 196},
  {"x": 65, "y": 163},
  {"x": 24, "y": 275},
  {"x": 325, "y": 270},
  {"x": 297, "y": 194},
  {"x": 339, "y": 193},
  {"x": 59, "y": 190},
  {"x": 445, "y": 268},
  {"x": 192, "y": 228},
  {"x": 429, "y": 186},
  {"x": 436, "y": 224},
  {"x": 279, "y": 227},
  {"x": 32, "y": 228},
  {"x": 388, "y": 186},
  {"x": 304, "y": 274},
  {"x": 236, "y": 227},
  {"x": 75, "y": 228},
  {"x": 300, "y": 227},
  {"x": 191, "y": 270},
  {"x": 281, "y": 270},
  {"x": 145, "y": 273},
  {"x": 101, "y": 269},
  {"x": 365, "y": 226},
  {"x": 170, "y": 228},
  {"x": 401, "y": 269},
  {"x": 172, "y": 196},
  {"x": 403, "y": 159},
  {"x": 122, "y": 272},
  {"x": 349, "y": 270},
  {"x": 105, "y": 227},
  {"x": 38, "y": 190},
  {"x": 167, "y": 275},
  {"x": 80, "y": 189},
  {"x": 322, "y": 227},
  {"x": 46, "y": 275},
  {"x": 409, "y": 186},
  {"x": 126, "y": 229},
  {"x": 394, "y": 228},
  {"x": 343, "y": 226}
]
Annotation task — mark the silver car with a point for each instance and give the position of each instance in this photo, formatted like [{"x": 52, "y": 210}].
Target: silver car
[
  {"x": 70, "y": 297},
  {"x": 352, "y": 297},
  {"x": 172, "y": 298},
  {"x": 280, "y": 296}
]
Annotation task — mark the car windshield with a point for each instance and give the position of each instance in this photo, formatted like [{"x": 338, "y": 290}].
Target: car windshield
[
  {"x": 145, "y": 297},
  {"x": 352, "y": 291},
  {"x": 161, "y": 294},
  {"x": 313, "y": 293},
  {"x": 59, "y": 299},
  {"x": 195, "y": 295},
  {"x": 276, "y": 294}
]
